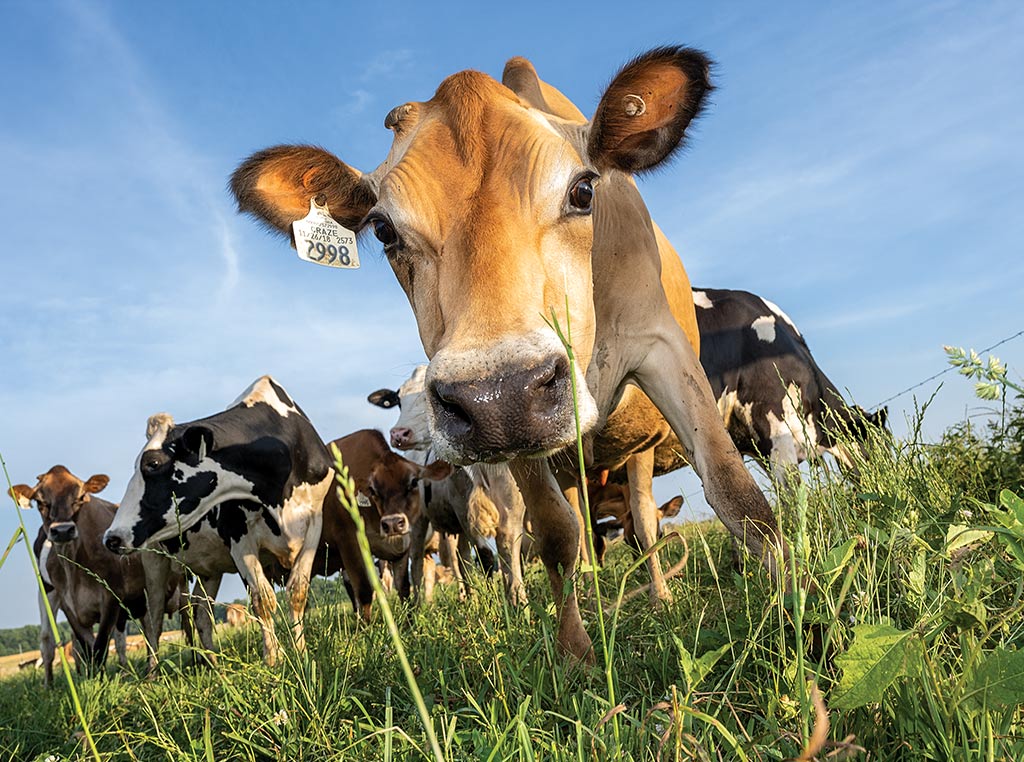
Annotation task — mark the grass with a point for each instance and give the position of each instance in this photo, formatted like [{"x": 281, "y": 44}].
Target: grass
[{"x": 910, "y": 647}]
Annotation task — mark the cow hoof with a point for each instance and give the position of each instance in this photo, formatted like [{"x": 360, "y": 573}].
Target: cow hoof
[{"x": 574, "y": 642}]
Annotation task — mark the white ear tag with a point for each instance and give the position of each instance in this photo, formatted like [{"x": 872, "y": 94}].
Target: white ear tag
[
  {"x": 362, "y": 500},
  {"x": 322, "y": 240}
]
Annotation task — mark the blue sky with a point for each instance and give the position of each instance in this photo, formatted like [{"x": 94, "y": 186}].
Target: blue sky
[{"x": 860, "y": 165}]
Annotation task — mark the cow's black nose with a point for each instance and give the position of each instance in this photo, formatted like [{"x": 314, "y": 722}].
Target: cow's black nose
[
  {"x": 396, "y": 524},
  {"x": 113, "y": 543},
  {"x": 507, "y": 413},
  {"x": 63, "y": 532}
]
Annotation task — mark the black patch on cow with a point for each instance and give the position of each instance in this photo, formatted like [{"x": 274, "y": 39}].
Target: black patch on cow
[
  {"x": 274, "y": 453},
  {"x": 164, "y": 499}
]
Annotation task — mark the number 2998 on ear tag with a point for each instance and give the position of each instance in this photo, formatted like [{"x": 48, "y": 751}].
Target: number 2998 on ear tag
[{"x": 322, "y": 240}]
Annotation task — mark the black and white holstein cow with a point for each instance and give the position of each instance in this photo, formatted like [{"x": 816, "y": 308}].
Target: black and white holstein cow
[
  {"x": 479, "y": 503},
  {"x": 252, "y": 479},
  {"x": 777, "y": 404}
]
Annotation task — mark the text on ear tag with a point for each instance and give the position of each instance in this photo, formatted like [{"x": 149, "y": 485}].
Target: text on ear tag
[{"x": 322, "y": 240}]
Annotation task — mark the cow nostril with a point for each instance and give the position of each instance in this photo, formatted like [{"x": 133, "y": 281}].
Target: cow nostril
[
  {"x": 446, "y": 396},
  {"x": 113, "y": 543}
]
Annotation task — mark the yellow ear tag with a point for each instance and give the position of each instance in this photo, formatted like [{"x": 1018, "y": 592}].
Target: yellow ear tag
[{"x": 322, "y": 240}]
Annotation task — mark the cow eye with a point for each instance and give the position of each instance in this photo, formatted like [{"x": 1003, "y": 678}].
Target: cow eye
[
  {"x": 384, "y": 231},
  {"x": 581, "y": 194},
  {"x": 414, "y": 483}
]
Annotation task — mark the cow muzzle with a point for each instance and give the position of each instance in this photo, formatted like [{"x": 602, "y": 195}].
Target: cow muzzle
[
  {"x": 516, "y": 411},
  {"x": 115, "y": 542},
  {"x": 394, "y": 525},
  {"x": 63, "y": 532}
]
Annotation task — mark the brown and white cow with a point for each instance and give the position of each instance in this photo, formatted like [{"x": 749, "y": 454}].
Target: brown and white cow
[
  {"x": 500, "y": 209},
  {"x": 91, "y": 585},
  {"x": 387, "y": 492},
  {"x": 479, "y": 503}
]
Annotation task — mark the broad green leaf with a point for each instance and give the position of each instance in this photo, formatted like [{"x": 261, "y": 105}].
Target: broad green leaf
[
  {"x": 958, "y": 536},
  {"x": 998, "y": 680},
  {"x": 879, "y": 654},
  {"x": 695, "y": 670},
  {"x": 836, "y": 560},
  {"x": 1014, "y": 504}
]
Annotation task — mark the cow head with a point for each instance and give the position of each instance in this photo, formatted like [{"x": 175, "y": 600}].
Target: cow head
[
  {"x": 488, "y": 207},
  {"x": 412, "y": 430},
  {"x": 178, "y": 478},
  {"x": 392, "y": 489},
  {"x": 59, "y": 496}
]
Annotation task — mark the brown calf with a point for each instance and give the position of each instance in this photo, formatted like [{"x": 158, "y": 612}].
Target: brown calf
[
  {"x": 91, "y": 585},
  {"x": 388, "y": 497}
]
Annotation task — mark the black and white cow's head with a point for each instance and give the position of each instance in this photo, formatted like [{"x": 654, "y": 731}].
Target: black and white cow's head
[
  {"x": 185, "y": 470},
  {"x": 412, "y": 429}
]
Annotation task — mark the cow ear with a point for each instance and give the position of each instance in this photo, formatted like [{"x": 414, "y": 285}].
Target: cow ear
[
  {"x": 385, "y": 398},
  {"x": 437, "y": 471},
  {"x": 22, "y": 495},
  {"x": 672, "y": 507},
  {"x": 197, "y": 441},
  {"x": 521, "y": 78},
  {"x": 96, "y": 483},
  {"x": 275, "y": 185},
  {"x": 644, "y": 113}
]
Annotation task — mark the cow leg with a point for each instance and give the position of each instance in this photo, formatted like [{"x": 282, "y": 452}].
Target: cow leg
[
  {"x": 156, "y": 569},
  {"x": 672, "y": 377},
  {"x": 784, "y": 463},
  {"x": 298, "y": 581},
  {"x": 201, "y": 606},
  {"x": 640, "y": 472},
  {"x": 557, "y": 532},
  {"x": 264, "y": 602},
  {"x": 417, "y": 541},
  {"x": 387, "y": 577},
  {"x": 47, "y": 644},
  {"x": 429, "y": 574},
  {"x": 120, "y": 641},
  {"x": 463, "y": 559},
  {"x": 357, "y": 582},
  {"x": 510, "y": 548},
  {"x": 403, "y": 581},
  {"x": 570, "y": 486}
]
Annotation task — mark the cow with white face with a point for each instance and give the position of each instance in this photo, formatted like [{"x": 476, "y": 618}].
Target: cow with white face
[
  {"x": 501, "y": 208},
  {"x": 479, "y": 503},
  {"x": 257, "y": 473}
]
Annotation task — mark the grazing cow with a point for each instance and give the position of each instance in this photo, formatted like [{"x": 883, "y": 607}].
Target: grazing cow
[
  {"x": 256, "y": 473},
  {"x": 387, "y": 493},
  {"x": 91, "y": 585},
  {"x": 500, "y": 208},
  {"x": 610, "y": 513},
  {"x": 477, "y": 503},
  {"x": 776, "y": 402}
]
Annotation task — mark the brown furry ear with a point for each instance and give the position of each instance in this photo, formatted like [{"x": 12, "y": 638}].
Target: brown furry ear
[
  {"x": 645, "y": 111},
  {"x": 22, "y": 495},
  {"x": 437, "y": 471},
  {"x": 671, "y": 508},
  {"x": 275, "y": 185},
  {"x": 96, "y": 483}
]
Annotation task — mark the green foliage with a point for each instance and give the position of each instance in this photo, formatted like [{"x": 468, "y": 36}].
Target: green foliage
[{"x": 913, "y": 635}]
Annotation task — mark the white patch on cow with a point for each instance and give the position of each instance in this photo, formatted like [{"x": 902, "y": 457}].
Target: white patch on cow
[
  {"x": 294, "y": 516},
  {"x": 700, "y": 299},
  {"x": 414, "y": 413},
  {"x": 44, "y": 555},
  {"x": 261, "y": 390},
  {"x": 779, "y": 313},
  {"x": 793, "y": 436},
  {"x": 128, "y": 512},
  {"x": 764, "y": 327},
  {"x": 737, "y": 416}
]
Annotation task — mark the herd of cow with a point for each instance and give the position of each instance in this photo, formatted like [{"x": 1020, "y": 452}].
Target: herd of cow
[{"x": 511, "y": 222}]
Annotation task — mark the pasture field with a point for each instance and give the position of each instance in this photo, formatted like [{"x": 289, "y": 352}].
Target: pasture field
[{"x": 910, "y": 648}]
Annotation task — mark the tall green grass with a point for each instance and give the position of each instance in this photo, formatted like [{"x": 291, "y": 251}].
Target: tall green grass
[{"x": 912, "y": 639}]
